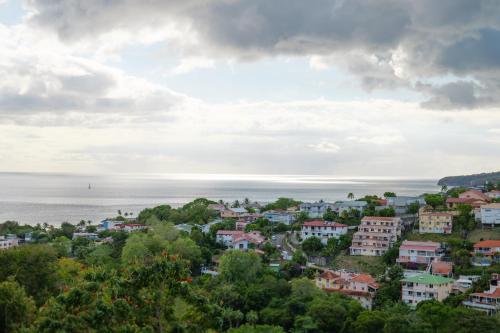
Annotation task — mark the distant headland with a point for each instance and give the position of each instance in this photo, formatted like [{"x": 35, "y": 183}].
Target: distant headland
[{"x": 471, "y": 180}]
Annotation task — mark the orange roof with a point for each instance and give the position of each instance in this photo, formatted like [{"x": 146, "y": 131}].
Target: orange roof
[
  {"x": 378, "y": 218},
  {"x": 495, "y": 294},
  {"x": 475, "y": 192},
  {"x": 363, "y": 278},
  {"x": 442, "y": 267},
  {"x": 487, "y": 243}
]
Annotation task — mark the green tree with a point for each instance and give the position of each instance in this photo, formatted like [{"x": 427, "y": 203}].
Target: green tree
[
  {"x": 389, "y": 195},
  {"x": 434, "y": 200},
  {"x": 312, "y": 246},
  {"x": 239, "y": 266},
  {"x": 16, "y": 308},
  {"x": 257, "y": 329},
  {"x": 350, "y": 196}
]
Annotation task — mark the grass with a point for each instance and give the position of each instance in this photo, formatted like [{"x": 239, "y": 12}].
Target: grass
[
  {"x": 361, "y": 264},
  {"x": 440, "y": 238},
  {"x": 484, "y": 234}
]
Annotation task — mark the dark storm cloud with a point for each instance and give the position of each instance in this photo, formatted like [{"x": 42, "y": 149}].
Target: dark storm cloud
[{"x": 446, "y": 38}]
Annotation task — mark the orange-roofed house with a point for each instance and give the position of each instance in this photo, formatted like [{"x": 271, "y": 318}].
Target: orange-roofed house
[
  {"x": 474, "y": 194},
  {"x": 486, "y": 253},
  {"x": 442, "y": 268},
  {"x": 454, "y": 203},
  {"x": 413, "y": 254},
  {"x": 324, "y": 230},
  {"x": 361, "y": 287},
  {"x": 487, "y": 301}
]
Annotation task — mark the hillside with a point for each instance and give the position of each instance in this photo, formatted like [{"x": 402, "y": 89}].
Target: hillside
[{"x": 470, "y": 180}]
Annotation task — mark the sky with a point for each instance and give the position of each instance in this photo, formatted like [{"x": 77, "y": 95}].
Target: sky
[{"x": 359, "y": 88}]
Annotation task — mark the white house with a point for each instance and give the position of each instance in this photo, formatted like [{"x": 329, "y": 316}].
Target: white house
[
  {"x": 324, "y": 230},
  {"x": 375, "y": 235},
  {"x": 238, "y": 239},
  {"x": 346, "y": 206},
  {"x": 8, "y": 242},
  {"x": 490, "y": 214},
  {"x": 487, "y": 301},
  {"x": 425, "y": 287}
]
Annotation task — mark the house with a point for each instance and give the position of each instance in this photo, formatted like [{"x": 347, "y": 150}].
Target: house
[
  {"x": 109, "y": 225},
  {"x": 280, "y": 216},
  {"x": 442, "y": 268},
  {"x": 487, "y": 301},
  {"x": 454, "y": 203},
  {"x": 324, "y": 230},
  {"x": 348, "y": 206},
  {"x": 8, "y": 242},
  {"x": 425, "y": 287},
  {"x": 465, "y": 282},
  {"x": 413, "y": 253},
  {"x": 495, "y": 194},
  {"x": 316, "y": 209},
  {"x": 129, "y": 227},
  {"x": 490, "y": 214},
  {"x": 217, "y": 207},
  {"x": 87, "y": 235},
  {"x": 361, "y": 287},
  {"x": 375, "y": 235},
  {"x": 474, "y": 194},
  {"x": 238, "y": 239},
  {"x": 241, "y": 224},
  {"x": 486, "y": 252},
  {"x": 234, "y": 212},
  {"x": 250, "y": 217},
  {"x": 432, "y": 222},
  {"x": 400, "y": 204},
  {"x": 206, "y": 227}
]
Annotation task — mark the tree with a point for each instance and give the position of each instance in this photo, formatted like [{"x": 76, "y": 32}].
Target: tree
[
  {"x": 389, "y": 195},
  {"x": 444, "y": 188},
  {"x": 369, "y": 322},
  {"x": 312, "y": 245},
  {"x": 16, "y": 308},
  {"x": 330, "y": 215},
  {"x": 413, "y": 207},
  {"x": 350, "y": 196},
  {"x": 257, "y": 329},
  {"x": 434, "y": 200},
  {"x": 62, "y": 245},
  {"x": 238, "y": 266}
]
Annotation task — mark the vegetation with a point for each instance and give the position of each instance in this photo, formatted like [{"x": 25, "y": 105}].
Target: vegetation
[{"x": 471, "y": 180}]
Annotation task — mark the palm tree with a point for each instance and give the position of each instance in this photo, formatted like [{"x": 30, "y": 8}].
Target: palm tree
[
  {"x": 350, "y": 196},
  {"x": 444, "y": 188}
]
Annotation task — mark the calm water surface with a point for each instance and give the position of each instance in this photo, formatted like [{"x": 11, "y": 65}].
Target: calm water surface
[{"x": 54, "y": 198}]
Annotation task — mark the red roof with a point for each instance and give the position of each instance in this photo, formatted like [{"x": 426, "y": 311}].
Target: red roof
[
  {"x": 321, "y": 223},
  {"x": 229, "y": 232},
  {"x": 495, "y": 294},
  {"x": 329, "y": 275},
  {"x": 461, "y": 200},
  {"x": 487, "y": 243},
  {"x": 442, "y": 267}
]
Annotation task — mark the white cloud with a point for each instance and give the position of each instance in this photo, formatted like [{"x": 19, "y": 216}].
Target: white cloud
[
  {"x": 325, "y": 147},
  {"x": 189, "y": 64}
]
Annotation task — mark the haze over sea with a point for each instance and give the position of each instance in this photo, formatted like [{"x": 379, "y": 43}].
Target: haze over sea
[{"x": 53, "y": 198}]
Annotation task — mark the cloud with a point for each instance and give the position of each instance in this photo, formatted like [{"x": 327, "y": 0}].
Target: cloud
[
  {"x": 386, "y": 43},
  {"x": 325, "y": 147}
]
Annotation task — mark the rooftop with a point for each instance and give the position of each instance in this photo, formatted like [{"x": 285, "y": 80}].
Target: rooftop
[
  {"x": 428, "y": 279},
  {"x": 321, "y": 223},
  {"x": 487, "y": 243},
  {"x": 495, "y": 205}
]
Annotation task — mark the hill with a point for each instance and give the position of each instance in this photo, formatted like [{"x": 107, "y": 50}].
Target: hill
[{"x": 470, "y": 180}]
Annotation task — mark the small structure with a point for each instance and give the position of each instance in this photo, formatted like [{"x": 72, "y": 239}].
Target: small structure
[
  {"x": 234, "y": 212},
  {"x": 315, "y": 209},
  {"x": 442, "y": 268},
  {"x": 375, "y": 235},
  {"x": 400, "y": 204},
  {"x": 431, "y": 222},
  {"x": 361, "y": 287},
  {"x": 487, "y": 301},
  {"x": 129, "y": 227},
  {"x": 109, "y": 225},
  {"x": 237, "y": 239},
  {"x": 324, "y": 230},
  {"x": 490, "y": 214},
  {"x": 217, "y": 207},
  {"x": 241, "y": 224},
  {"x": 348, "y": 206},
  {"x": 425, "y": 287},
  {"x": 486, "y": 252}
]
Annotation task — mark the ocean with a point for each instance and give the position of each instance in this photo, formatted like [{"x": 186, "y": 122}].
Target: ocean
[{"x": 31, "y": 198}]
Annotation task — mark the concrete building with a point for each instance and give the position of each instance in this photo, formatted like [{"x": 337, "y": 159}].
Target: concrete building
[
  {"x": 425, "y": 287},
  {"x": 315, "y": 209},
  {"x": 487, "y": 301},
  {"x": 490, "y": 214},
  {"x": 237, "y": 239},
  {"x": 279, "y": 216},
  {"x": 413, "y": 254},
  {"x": 495, "y": 194},
  {"x": 8, "y": 242},
  {"x": 402, "y": 203},
  {"x": 348, "y": 206},
  {"x": 431, "y": 222},
  {"x": 324, "y": 230},
  {"x": 361, "y": 287},
  {"x": 375, "y": 235}
]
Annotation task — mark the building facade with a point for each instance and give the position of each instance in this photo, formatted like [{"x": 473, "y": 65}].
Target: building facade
[
  {"x": 324, "y": 230},
  {"x": 315, "y": 209},
  {"x": 8, "y": 242},
  {"x": 425, "y": 287},
  {"x": 413, "y": 253},
  {"x": 280, "y": 216},
  {"x": 486, "y": 252},
  {"x": 487, "y": 301},
  {"x": 490, "y": 214},
  {"x": 431, "y": 222},
  {"x": 375, "y": 235}
]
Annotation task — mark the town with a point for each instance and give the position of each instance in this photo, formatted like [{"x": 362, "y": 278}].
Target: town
[{"x": 440, "y": 247}]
